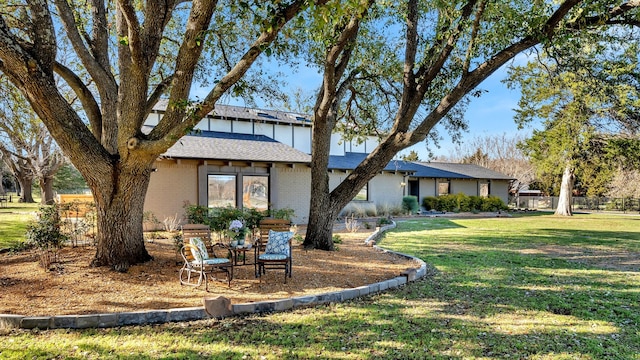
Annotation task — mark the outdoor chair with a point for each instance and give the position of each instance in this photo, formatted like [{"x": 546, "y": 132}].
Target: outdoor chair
[
  {"x": 202, "y": 259},
  {"x": 273, "y": 247}
]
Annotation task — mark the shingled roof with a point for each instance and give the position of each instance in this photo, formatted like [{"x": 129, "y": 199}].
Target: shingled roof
[
  {"x": 244, "y": 113},
  {"x": 237, "y": 147},
  {"x": 421, "y": 169},
  {"x": 471, "y": 171}
]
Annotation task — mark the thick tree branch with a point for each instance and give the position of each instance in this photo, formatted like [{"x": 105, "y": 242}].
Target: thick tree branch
[
  {"x": 176, "y": 122},
  {"x": 89, "y": 104},
  {"x": 99, "y": 41},
  {"x": 101, "y": 75},
  {"x": 133, "y": 39},
  {"x": 44, "y": 37},
  {"x": 411, "y": 39},
  {"x": 474, "y": 35}
]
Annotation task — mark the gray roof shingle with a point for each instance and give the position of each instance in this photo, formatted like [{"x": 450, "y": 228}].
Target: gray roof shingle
[
  {"x": 223, "y": 146},
  {"x": 244, "y": 113},
  {"x": 469, "y": 171}
]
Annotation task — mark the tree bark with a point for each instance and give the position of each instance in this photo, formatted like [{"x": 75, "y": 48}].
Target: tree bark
[
  {"x": 119, "y": 207},
  {"x": 566, "y": 188},
  {"x": 46, "y": 186},
  {"x": 26, "y": 195},
  {"x": 322, "y": 210}
]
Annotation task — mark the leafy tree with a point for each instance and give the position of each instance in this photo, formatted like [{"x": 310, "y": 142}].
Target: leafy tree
[
  {"x": 580, "y": 102},
  {"x": 68, "y": 179},
  {"x": 424, "y": 76},
  {"x": 411, "y": 156},
  {"x": 125, "y": 55}
]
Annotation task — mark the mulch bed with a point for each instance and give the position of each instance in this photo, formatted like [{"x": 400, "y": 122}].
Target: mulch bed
[{"x": 72, "y": 287}]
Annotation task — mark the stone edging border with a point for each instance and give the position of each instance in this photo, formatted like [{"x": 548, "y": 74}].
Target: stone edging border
[{"x": 221, "y": 306}]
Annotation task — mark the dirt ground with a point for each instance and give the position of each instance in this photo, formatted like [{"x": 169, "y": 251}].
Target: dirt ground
[{"x": 75, "y": 288}]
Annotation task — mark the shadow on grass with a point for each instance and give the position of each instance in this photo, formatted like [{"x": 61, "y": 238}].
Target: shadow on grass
[{"x": 493, "y": 297}]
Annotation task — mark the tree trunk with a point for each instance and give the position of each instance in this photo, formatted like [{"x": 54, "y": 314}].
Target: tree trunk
[
  {"x": 26, "y": 196},
  {"x": 322, "y": 210},
  {"x": 46, "y": 185},
  {"x": 119, "y": 208},
  {"x": 564, "y": 200}
]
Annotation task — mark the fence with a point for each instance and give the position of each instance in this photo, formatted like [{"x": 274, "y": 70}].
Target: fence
[{"x": 577, "y": 203}]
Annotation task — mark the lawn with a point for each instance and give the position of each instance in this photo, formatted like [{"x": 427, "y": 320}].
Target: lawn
[
  {"x": 530, "y": 287},
  {"x": 13, "y": 222}
]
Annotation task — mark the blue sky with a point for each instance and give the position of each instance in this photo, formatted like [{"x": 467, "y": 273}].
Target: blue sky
[{"x": 490, "y": 114}]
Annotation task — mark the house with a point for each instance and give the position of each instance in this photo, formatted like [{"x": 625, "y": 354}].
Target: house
[{"x": 261, "y": 158}]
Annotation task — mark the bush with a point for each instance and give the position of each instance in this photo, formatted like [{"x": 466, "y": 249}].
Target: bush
[
  {"x": 410, "y": 204},
  {"x": 284, "y": 213},
  {"x": 462, "y": 202},
  {"x": 45, "y": 233},
  {"x": 493, "y": 203},
  {"x": 429, "y": 202}
]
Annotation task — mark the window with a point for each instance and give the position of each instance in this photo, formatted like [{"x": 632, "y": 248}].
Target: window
[
  {"x": 221, "y": 190},
  {"x": 443, "y": 188},
  {"x": 255, "y": 192},
  {"x": 363, "y": 194},
  {"x": 484, "y": 189}
]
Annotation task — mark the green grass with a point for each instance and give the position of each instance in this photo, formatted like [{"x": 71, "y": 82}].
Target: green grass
[
  {"x": 13, "y": 222},
  {"x": 514, "y": 288}
]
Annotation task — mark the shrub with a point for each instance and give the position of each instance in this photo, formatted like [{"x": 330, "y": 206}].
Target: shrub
[
  {"x": 284, "y": 213},
  {"x": 475, "y": 203},
  {"x": 429, "y": 202},
  {"x": 45, "y": 233},
  {"x": 462, "y": 202},
  {"x": 410, "y": 204},
  {"x": 197, "y": 214},
  {"x": 447, "y": 203},
  {"x": 351, "y": 224},
  {"x": 493, "y": 203},
  {"x": 336, "y": 239}
]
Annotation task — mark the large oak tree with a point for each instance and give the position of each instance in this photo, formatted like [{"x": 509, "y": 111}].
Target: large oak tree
[
  {"x": 444, "y": 52},
  {"x": 125, "y": 55}
]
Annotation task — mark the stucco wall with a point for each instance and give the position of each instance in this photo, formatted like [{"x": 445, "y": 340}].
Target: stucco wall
[
  {"x": 428, "y": 187},
  {"x": 291, "y": 189},
  {"x": 467, "y": 187},
  {"x": 386, "y": 189},
  {"x": 500, "y": 188},
  {"x": 170, "y": 186}
]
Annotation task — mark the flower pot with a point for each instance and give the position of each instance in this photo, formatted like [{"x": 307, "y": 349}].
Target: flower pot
[
  {"x": 241, "y": 241},
  {"x": 234, "y": 243}
]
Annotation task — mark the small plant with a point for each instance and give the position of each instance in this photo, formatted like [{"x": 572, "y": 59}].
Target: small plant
[
  {"x": 46, "y": 235},
  {"x": 366, "y": 225},
  {"x": 152, "y": 236},
  {"x": 410, "y": 204},
  {"x": 149, "y": 221},
  {"x": 178, "y": 242},
  {"x": 384, "y": 221},
  {"x": 171, "y": 223},
  {"x": 351, "y": 224},
  {"x": 298, "y": 238},
  {"x": 336, "y": 239}
]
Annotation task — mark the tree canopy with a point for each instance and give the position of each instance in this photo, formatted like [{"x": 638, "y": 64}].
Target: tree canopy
[
  {"x": 587, "y": 97},
  {"x": 119, "y": 58},
  {"x": 434, "y": 56}
]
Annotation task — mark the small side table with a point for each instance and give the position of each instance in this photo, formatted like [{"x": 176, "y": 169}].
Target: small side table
[{"x": 236, "y": 251}]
